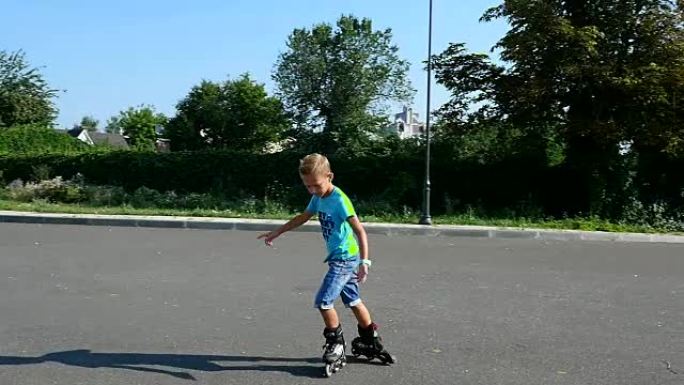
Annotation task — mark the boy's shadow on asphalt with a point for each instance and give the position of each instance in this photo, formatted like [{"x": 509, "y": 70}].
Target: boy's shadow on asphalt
[{"x": 144, "y": 362}]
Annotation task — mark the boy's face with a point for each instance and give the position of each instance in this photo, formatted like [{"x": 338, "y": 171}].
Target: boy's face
[{"x": 319, "y": 185}]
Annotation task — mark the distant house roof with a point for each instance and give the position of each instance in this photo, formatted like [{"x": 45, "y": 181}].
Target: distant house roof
[
  {"x": 81, "y": 134},
  {"x": 99, "y": 138},
  {"x": 114, "y": 140},
  {"x": 75, "y": 132}
]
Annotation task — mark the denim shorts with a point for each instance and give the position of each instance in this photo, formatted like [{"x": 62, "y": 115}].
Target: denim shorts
[{"x": 340, "y": 281}]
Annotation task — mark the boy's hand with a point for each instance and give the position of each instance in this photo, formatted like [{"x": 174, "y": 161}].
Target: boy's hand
[
  {"x": 269, "y": 237},
  {"x": 362, "y": 274}
]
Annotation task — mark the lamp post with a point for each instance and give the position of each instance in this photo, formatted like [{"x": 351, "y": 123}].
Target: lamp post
[{"x": 425, "y": 218}]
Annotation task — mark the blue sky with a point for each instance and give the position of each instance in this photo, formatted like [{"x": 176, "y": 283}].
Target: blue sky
[{"x": 108, "y": 56}]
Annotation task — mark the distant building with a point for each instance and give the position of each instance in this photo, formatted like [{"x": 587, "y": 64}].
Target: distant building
[
  {"x": 99, "y": 138},
  {"x": 407, "y": 124}
]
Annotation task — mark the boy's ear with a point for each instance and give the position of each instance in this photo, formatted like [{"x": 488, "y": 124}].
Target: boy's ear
[{"x": 331, "y": 176}]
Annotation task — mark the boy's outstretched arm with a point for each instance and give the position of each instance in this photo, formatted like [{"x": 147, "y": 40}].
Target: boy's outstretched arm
[
  {"x": 291, "y": 224},
  {"x": 360, "y": 233}
]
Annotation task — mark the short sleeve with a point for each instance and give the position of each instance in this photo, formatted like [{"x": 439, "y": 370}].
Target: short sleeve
[
  {"x": 346, "y": 208},
  {"x": 312, "y": 207}
]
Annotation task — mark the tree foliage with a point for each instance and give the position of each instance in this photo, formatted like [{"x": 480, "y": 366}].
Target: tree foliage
[
  {"x": 337, "y": 79},
  {"x": 25, "y": 97},
  {"x": 602, "y": 75},
  {"x": 235, "y": 114},
  {"x": 139, "y": 124},
  {"x": 88, "y": 123}
]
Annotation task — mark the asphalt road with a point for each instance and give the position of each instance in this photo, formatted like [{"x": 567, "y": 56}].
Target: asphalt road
[{"x": 98, "y": 305}]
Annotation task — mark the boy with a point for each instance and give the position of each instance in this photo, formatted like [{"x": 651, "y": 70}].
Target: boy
[{"x": 347, "y": 260}]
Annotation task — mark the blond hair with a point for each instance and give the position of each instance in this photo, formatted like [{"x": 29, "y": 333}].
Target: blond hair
[{"x": 314, "y": 164}]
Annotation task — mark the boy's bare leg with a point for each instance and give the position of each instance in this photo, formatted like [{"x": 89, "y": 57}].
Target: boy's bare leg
[
  {"x": 330, "y": 318},
  {"x": 362, "y": 315}
]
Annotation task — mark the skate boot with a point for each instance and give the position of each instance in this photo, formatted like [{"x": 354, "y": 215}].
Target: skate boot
[
  {"x": 334, "y": 350},
  {"x": 369, "y": 344}
]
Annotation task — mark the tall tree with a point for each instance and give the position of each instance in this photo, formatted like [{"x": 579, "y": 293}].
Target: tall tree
[
  {"x": 337, "y": 79},
  {"x": 235, "y": 114},
  {"x": 25, "y": 97},
  {"x": 139, "y": 124},
  {"x": 598, "y": 73}
]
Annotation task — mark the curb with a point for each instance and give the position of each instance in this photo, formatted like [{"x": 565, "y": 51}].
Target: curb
[{"x": 388, "y": 229}]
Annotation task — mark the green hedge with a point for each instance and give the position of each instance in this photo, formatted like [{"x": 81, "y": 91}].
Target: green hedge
[
  {"x": 393, "y": 180},
  {"x": 516, "y": 186},
  {"x": 32, "y": 139}
]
